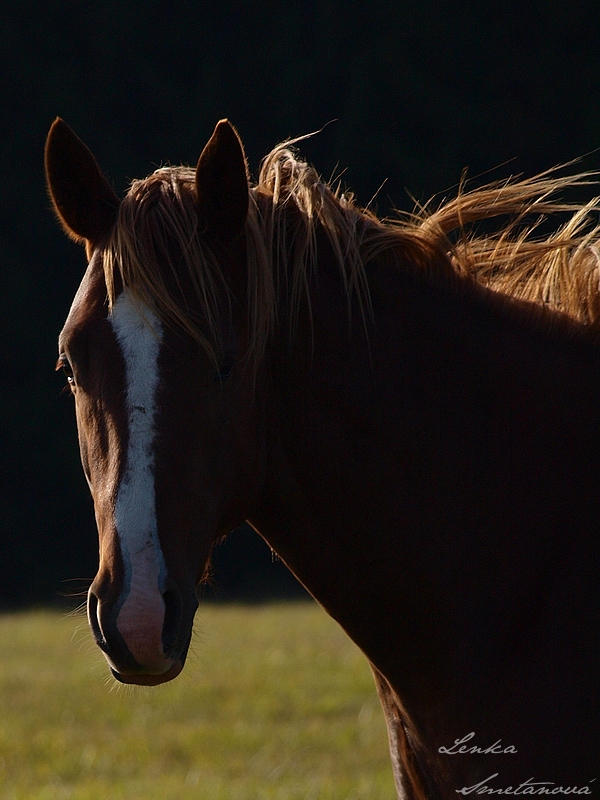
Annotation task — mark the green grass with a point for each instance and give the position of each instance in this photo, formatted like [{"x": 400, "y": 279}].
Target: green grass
[{"x": 275, "y": 703}]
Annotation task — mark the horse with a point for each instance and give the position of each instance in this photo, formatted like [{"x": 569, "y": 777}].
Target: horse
[{"x": 406, "y": 410}]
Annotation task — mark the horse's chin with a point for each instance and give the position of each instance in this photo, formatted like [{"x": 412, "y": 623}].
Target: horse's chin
[{"x": 147, "y": 679}]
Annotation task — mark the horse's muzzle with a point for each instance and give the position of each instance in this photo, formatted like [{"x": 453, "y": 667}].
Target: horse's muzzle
[{"x": 145, "y": 636}]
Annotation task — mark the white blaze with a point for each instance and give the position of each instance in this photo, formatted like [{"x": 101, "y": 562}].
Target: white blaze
[{"x": 141, "y": 617}]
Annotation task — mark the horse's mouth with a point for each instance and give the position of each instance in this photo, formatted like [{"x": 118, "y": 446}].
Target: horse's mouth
[{"x": 148, "y": 679}]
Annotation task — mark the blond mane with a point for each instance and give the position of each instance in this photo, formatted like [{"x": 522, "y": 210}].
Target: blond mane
[{"x": 289, "y": 205}]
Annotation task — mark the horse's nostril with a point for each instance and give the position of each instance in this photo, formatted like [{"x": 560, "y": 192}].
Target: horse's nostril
[
  {"x": 93, "y": 618},
  {"x": 172, "y": 622}
]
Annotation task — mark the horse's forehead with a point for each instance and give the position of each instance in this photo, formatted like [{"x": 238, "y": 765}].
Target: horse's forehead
[{"x": 89, "y": 299}]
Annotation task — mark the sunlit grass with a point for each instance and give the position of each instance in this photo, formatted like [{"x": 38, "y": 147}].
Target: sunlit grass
[{"x": 275, "y": 703}]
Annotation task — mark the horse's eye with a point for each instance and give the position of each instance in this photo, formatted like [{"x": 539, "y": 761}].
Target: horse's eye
[{"x": 64, "y": 364}]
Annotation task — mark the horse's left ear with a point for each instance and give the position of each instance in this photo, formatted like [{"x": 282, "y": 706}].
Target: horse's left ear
[{"x": 222, "y": 183}]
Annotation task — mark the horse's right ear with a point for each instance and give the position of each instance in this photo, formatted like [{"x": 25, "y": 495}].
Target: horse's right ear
[
  {"x": 85, "y": 203},
  {"x": 222, "y": 183}
]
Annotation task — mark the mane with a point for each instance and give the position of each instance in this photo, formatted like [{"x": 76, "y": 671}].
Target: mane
[
  {"x": 290, "y": 205},
  {"x": 559, "y": 270}
]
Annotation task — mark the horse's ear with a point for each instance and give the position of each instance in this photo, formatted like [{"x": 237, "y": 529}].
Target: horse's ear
[
  {"x": 85, "y": 203},
  {"x": 222, "y": 183}
]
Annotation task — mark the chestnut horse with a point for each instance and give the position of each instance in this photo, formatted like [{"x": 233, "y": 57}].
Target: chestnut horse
[{"x": 422, "y": 450}]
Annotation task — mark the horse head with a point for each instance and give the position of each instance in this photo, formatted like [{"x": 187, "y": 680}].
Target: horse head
[{"x": 163, "y": 385}]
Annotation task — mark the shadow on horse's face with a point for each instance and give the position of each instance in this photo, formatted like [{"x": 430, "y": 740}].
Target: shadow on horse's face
[{"x": 169, "y": 441}]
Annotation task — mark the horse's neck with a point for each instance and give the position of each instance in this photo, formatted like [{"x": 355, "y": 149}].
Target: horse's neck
[{"x": 394, "y": 499}]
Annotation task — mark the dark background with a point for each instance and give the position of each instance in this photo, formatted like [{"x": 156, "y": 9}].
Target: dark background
[{"x": 419, "y": 90}]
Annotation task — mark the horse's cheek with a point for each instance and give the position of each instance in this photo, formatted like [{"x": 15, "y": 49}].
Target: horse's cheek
[{"x": 99, "y": 447}]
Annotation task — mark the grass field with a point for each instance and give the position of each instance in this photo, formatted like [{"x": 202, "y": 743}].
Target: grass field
[{"x": 275, "y": 703}]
